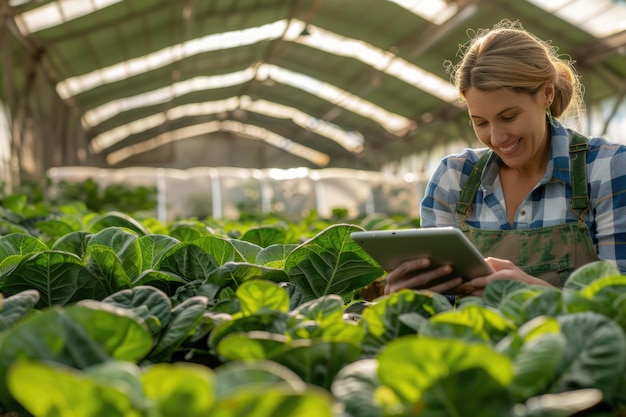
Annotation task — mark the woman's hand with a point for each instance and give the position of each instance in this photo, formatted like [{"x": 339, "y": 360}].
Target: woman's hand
[
  {"x": 504, "y": 270},
  {"x": 413, "y": 274}
]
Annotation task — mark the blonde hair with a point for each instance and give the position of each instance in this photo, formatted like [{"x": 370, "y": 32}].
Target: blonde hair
[{"x": 508, "y": 56}]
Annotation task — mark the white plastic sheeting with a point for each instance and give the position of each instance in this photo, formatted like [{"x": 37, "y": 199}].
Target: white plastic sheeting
[{"x": 227, "y": 192}]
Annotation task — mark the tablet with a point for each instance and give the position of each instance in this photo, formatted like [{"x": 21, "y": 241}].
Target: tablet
[{"x": 443, "y": 245}]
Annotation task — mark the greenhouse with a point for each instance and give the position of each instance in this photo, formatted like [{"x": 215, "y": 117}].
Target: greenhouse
[{"x": 182, "y": 181}]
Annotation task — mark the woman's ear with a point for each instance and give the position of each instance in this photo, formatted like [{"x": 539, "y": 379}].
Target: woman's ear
[{"x": 548, "y": 91}]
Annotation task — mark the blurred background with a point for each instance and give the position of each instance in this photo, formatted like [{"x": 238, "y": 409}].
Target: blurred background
[{"x": 221, "y": 107}]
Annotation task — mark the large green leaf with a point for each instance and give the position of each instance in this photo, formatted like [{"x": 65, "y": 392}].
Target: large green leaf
[
  {"x": 115, "y": 219},
  {"x": 331, "y": 263},
  {"x": 59, "y": 277},
  {"x": 220, "y": 249},
  {"x": 328, "y": 308},
  {"x": 102, "y": 262},
  {"x": 181, "y": 389},
  {"x": 16, "y": 246},
  {"x": 124, "y": 244},
  {"x": 255, "y": 296},
  {"x": 265, "y": 236},
  {"x": 270, "y": 321},
  {"x": 75, "y": 242},
  {"x": 382, "y": 320},
  {"x": 189, "y": 261},
  {"x": 237, "y": 273},
  {"x": 594, "y": 355},
  {"x": 16, "y": 307},
  {"x": 146, "y": 302},
  {"x": 275, "y": 255},
  {"x": 466, "y": 392},
  {"x": 590, "y": 272},
  {"x": 317, "y": 362},
  {"x": 272, "y": 400},
  {"x": 472, "y": 322},
  {"x": 355, "y": 388},
  {"x": 534, "y": 365},
  {"x": 55, "y": 228},
  {"x": 254, "y": 375},
  {"x": 411, "y": 365},
  {"x": 186, "y": 317},
  {"x": 253, "y": 345},
  {"x": 79, "y": 336},
  {"x": 153, "y": 248},
  {"x": 246, "y": 251},
  {"x": 20, "y": 244},
  {"x": 49, "y": 389}
]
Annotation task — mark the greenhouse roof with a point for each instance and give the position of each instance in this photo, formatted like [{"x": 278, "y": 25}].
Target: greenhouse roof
[{"x": 321, "y": 79}]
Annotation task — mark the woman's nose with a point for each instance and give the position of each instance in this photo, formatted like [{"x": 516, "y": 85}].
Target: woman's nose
[{"x": 498, "y": 135}]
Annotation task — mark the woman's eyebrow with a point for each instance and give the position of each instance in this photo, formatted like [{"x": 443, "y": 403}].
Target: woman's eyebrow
[{"x": 475, "y": 116}]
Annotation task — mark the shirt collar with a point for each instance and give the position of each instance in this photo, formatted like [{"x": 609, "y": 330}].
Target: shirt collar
[{"x": 558, "y": 165}]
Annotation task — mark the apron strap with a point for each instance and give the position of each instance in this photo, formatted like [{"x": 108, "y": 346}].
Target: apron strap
[
  {"x": 579, "y": 201},
  {"x": 578, "y": 147},
  {"x": 464, "y": 205}
]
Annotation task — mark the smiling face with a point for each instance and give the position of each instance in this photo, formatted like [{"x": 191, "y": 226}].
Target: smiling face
[{"x": 512, "y": 124}]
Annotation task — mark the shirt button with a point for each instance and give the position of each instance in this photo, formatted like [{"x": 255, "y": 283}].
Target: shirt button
[{"x": 523, "y": 212}]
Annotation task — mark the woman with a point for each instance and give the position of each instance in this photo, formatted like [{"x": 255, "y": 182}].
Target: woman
[{"x": 540, "y": 200}]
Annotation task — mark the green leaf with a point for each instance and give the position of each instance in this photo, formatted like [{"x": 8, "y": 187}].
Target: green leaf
[
  {"x": 265, "y": 236},
  {"x": 412, "y": 365},
  {"x": 220, "y": 249},
  {"x": 355, "y": 387},
  {"x": 189, "y": 261},
  {"x": 255, "y": 296},
  {"x": 275, "y": 400},
  {"x": 116, "y": 219},
  {"x": 153, "y": 248},
  {"x": 124, "y": 245},
  {"x": 157, "y": 278},
  {"x": 180, "y": 389},
  {"x": 252, "y": 345},
  {"x": 328, "y": 308},
  {"x": 102, "y": 262},
  {"x": 74, "y": 242},
  {"x": 15, "y": 202},
  {"x": 55, "y": 390},
  {"x": 331, "y": 263},
  {"x": 594, "y": 355},
  {"x": 16, "y": 246},
  {"x": 59, "y": 277},
  {"x": 237, "y": 273},
  {"x": 270, "y": 321},
  {"x": 497, "y": 292},
  {"x": 185, "y": 319},
  {"x": 55, "y": 227},
  {"x": 246, "y": 251},
  {"x": 534, "y": 365},
  {"x": 275, "y": 255},
  {"x": 588, "y": 273},
  {"x": 317, "y": 362},
  {"x": 482, "y": 324},
  {"x": 16, "y": 307},
  {"x": 468, "y": 392},
  {"x": 78, "y": 336},
  {"x": 145, "y": 302},
  {"x": 252, "y": 376},
  {"x": 382, "y": 320},
  {"x": 608, "y": 288}
]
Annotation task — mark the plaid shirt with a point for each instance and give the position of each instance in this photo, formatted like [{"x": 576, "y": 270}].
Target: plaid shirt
[{"x": 548, "y": 203}]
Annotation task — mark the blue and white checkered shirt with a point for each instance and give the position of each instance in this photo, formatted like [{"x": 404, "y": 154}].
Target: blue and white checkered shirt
[{"x": 548, "y": 203}]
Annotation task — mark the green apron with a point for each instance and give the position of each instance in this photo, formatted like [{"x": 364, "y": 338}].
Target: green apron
[{"x": 550, "y": 253}]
